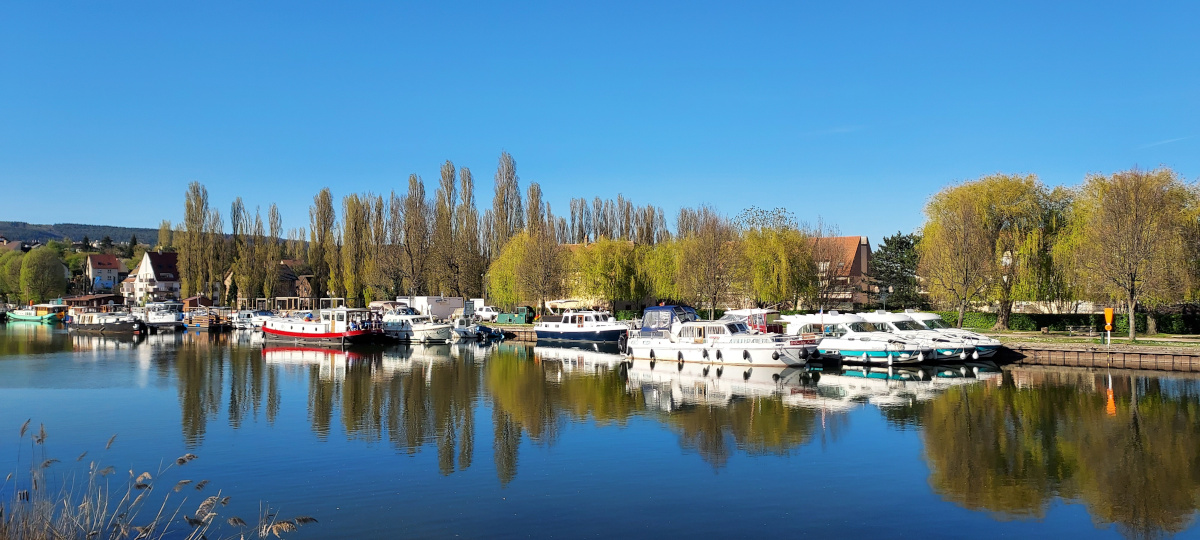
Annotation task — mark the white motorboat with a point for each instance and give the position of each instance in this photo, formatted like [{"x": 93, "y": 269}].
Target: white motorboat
[
  {"x": 250, "y": 320},
  {"x": 581, "y": 326},
  {"x": 162, "y": 315},
  {"x": 466, "y": 329},
  {"x": 849, "y": 337},
  {"x": 675, "y": 334},
  {"x": 945, "y": 347},
  {"x": 405, "y": 324},
  {"x": 984, "y": 345}
]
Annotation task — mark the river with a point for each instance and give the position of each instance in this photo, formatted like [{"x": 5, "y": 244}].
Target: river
[{"x": 512, "y": 440}]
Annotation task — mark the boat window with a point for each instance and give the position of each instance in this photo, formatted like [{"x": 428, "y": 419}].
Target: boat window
[
  {"x": 716, "y": 330},
  {"x": 589, "y": 318},
  {"x": 772, "y": 318},
  {"x": 908, "y": 325},
  {"x": 733, "y": 328},
  {"x": 936, "y": 323},
  {"x": 569, "y": 319},
  {"x": 656, "y": 319},
  {"x": 863, "y": 327},
  {"x": 341, "y": 317}
]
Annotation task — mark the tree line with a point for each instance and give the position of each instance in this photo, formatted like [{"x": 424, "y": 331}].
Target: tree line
[
  {"x": 375, "y": 246},
  {"x": 1130, "y": 237}
]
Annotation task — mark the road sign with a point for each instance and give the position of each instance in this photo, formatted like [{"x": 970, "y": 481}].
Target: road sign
[
  {"x": 1108, "y": 315},
  {"x": 1108, "y": 327}
]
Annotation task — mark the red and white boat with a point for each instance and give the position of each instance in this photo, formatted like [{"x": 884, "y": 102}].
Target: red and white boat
[{"x": 339, "y": 325}]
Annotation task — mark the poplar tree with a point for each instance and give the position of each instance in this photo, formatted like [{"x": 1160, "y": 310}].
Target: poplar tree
[
  {"x": 444, "y": 268},
  {"x": 415, "y": 235},
  {"x": 192, "y": 267},
  {"x": 468, "y": 238},
  {"x": 321, "y": 245},
  {"x": 506, "y": 216}
]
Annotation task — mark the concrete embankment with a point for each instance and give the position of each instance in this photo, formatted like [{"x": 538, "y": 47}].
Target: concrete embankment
[{"x": 1158, "y": 358}]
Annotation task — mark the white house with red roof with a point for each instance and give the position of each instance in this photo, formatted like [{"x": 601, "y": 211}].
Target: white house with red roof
[
  {"x": 156, "y": 279},
  {"x": 103, "y": 270}
]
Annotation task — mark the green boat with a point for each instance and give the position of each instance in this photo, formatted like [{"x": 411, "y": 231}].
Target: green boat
[{"x": 43, "y": 313}]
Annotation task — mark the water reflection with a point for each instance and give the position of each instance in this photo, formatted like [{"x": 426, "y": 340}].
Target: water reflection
[
  {"x": 1011, "y": 444},
  {"x": 1124, "y": 445}
]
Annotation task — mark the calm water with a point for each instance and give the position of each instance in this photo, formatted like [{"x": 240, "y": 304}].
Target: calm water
[{"x": 517, "y": 441}]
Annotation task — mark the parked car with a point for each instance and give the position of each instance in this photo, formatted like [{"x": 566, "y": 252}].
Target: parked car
[{"x": 486, "y": 313}]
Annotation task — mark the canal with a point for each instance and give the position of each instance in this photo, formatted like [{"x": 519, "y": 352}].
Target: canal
[{"x": 513, "y": 440}]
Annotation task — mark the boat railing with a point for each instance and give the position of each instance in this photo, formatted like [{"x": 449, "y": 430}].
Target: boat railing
[{"x": 654, "y": 334}]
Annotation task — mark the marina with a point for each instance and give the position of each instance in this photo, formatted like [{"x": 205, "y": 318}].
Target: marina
[{"x": 509, "y": 428}]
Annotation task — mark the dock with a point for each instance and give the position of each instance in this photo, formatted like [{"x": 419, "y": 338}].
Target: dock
[
  {"x": 1178, "y": 359},
  {"x": 524, "y": 332}
]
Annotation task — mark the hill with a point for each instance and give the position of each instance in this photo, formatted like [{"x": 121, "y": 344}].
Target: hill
[{"x": 29, "y": 232}]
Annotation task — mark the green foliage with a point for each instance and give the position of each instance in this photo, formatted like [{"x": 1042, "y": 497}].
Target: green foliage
[
  {"x": 42, "y": 276},
  {"x": 10, "y": 275},
  {"x": 503, "y": 289},
  {"x": 605, "y": 270},
  {"x": 30, "y": 232},
  {"x": 894, "y": 266}
]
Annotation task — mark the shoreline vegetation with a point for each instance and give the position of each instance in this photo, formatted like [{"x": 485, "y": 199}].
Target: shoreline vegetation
[
  {"x": 48, "y": 498},
  {"x": 1129, "y": 239}
]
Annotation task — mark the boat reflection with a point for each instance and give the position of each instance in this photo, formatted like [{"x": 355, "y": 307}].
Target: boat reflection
[{"x": 101, "y": 342}]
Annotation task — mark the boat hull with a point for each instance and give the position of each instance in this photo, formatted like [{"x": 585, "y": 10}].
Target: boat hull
[
  {"x": 47, "y": 318},
  {"x": 123, "y": 327},
  {"x": 608, "y": 335},
  {"x": 441, "y": 334},
  {"x": 731, "y": 354},
  {"x": 349, "y": 337}
]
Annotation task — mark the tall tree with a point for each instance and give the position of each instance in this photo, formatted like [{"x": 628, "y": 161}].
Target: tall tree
[
  {"x": 415, "y": 236},
  {"x": 468, "y": 253},
  {"x": 356, "y": 241},
  {"x": 542, "y": 268},
  {"x": 273, "y": 251},
  {"x": 535, "y": 209},
  {"x": 164, "y": 235},
  {"x": 605, "y": 270},
  {"x": 778, "y": 258},
  {"x": 10, "y": 275},
  {"x": 1127, "y": 236},
  {"x": 444, "y": 274},
  {"x": 321, "y": 241},
  {"x": 1011, "y": 207},
  {"x": 894, "y": 271},
  {"x": 506, "y": 215},
  {"x": 192, "y": 266}
]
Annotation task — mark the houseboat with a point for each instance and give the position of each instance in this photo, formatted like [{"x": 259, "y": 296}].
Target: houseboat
[
  {"x": 675, "y": 334},
  {"x": 850, "y": 337},
  {"x": 585, "y": 326},
  {"x": 341, "y": 325},
  {"x": 92, "y": 320},
  {"x": 945, "y": 347},
  {"x": 405, "y": 324},
  {"x": 44, "y": 313},
  {"x": 206, "y": 320}
]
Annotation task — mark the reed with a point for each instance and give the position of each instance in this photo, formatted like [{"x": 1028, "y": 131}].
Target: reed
[{"x": 44, "y": 502}]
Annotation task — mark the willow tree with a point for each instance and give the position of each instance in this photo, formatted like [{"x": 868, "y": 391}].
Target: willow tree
[
  {"x": 1012, "y": 208},
  {"x": 956, "y": 254},
  {"x": 605, "y": 270},
  {"x": 710, "y": 260},
  {"x": 778, "y": 257},
  {"x": 1127, "y": 236},
  {"x": 503, "y": 288}
]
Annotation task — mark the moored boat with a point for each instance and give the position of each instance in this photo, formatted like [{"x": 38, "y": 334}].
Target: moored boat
[
  {"x": 984, "y": 345},
  {"x": 945, "y": 347},
  {"x": 405, "y": 324},
  {"x": 675, "y": 334},
  {"x": 340, "y": 325},
  {"x": 162, "y": 316},
  {"x": 104, "y": 322},
  {"x": 582, "y": 326},
  {"x": 43, "y": 313},
  {"x": 850, "y": 337}
]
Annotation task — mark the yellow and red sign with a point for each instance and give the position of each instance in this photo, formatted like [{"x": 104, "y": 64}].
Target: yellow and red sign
[{"x": 1108, "y": 318}]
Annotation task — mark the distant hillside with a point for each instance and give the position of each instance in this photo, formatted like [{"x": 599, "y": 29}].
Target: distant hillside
[{"x": 29, "y": 232}]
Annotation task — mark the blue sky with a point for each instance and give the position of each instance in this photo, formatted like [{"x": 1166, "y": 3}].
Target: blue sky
[{"x": 853, "y": 112}]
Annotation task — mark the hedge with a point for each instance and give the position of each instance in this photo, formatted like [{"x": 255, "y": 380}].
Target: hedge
[{"x": 1167, "y": 323}]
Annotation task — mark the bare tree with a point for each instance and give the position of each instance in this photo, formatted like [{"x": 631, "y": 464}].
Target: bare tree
[
  {"x": 542, "y": 269},
  {"x": 956, "y": 252},
  {"x": 709, "y": 258},
  {"x": 415, "y": 235},
  {"x": 506, "y": 216}
]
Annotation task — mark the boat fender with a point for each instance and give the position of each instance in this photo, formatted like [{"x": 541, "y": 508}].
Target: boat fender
[
  {"x": 775, "y": 355},
  {"x": 864, "y": 357},
  {"x": 705, "y": 371},
  {"x": 775, "y": 377},
  {"x": 704, "y": 353},
  {"x": 746, "y": 356},
  {"x": 803, "y": 353},
  {"x": 720, "y": 369},
  {"x": 652, "y": 363},
  {"x": 962, "y": 355},
  {"x": 680, "y": 356},
  {"x": 975, "y": 355},
  {"x": 652, "y": 354},
  {"x": 718, "y": 359},
  {"x": 746, "y": 374},
  {"x": 680, "y": 368}
]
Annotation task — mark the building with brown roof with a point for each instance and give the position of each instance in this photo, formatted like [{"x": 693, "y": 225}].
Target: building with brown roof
[
  {"x": 103, "y": 271},
  {"x": 842, "y": 266},
  {"x": 156, "y": 279}
]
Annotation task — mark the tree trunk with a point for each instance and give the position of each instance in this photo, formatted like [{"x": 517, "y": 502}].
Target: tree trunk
[
  {"x": 1132, "y": 320},
  {"x": 1002, "y": 315},
  {"x": 962, "y": 309},
  {"x": 1151, "y": 324}
]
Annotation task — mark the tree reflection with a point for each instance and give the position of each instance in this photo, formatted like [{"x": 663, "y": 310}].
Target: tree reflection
[{"x": 1011, "y": 448}]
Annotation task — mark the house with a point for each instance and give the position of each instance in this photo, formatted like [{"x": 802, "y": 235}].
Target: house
[
  {"x": 842, "y": 266},
  {"x": 156, "y": 278},
  {"x": 103, "y": 271}
]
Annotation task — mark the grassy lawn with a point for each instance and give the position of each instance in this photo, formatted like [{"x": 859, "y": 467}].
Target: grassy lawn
[{"x": 1063, "y": 338}]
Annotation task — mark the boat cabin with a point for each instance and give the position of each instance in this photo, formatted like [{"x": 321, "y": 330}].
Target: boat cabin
[
  {"x": 763, "y": 320},
  {"x": 663, "y": 318}
]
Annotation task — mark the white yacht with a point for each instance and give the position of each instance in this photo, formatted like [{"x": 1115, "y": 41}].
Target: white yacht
[
  {"x": 849, "y": 337},
  {"x": 575, "y": 325},
  {"x": 945, "y": 347},
  {"x": 465, "y": 328},
  {"x": 340, "y": 325},
  {"x": 405, "y": 324},
  {"x": 984, "y": 345},
  {"x": 163, "y": 315},
  {"x": 675, "y": 334}
]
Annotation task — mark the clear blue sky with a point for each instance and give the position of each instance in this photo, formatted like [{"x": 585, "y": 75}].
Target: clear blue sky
[{"x": 855, "y": 112}]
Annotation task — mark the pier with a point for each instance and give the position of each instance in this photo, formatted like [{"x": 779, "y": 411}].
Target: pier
[{"x": 1177, "y": 359}]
